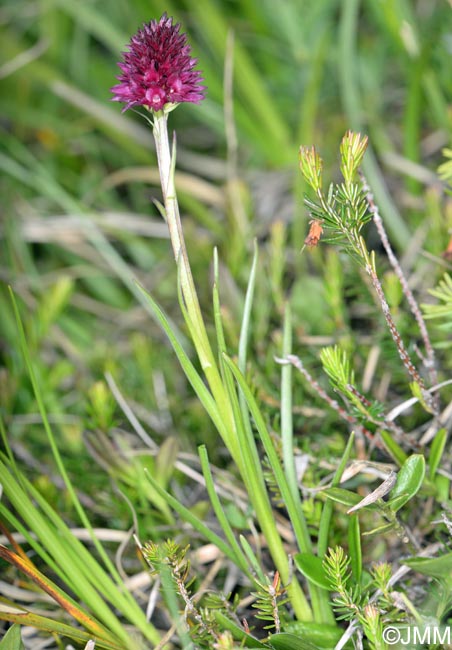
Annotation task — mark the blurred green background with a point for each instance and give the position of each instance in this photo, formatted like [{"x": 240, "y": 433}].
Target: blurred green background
[{"x": 79, "y": 178}]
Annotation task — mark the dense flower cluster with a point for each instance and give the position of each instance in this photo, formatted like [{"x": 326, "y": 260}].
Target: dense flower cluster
[{"x": 157, "y": 69}]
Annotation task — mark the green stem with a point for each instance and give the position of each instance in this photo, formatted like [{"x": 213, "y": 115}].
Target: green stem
[
  {"x": 286, "y": 409},
  {"x": 166, "y": 165},
  {"x": 240, "y": 447}
]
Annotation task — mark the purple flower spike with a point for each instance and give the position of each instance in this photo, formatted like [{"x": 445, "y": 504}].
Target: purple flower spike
[{"x": 158, "y": 70}]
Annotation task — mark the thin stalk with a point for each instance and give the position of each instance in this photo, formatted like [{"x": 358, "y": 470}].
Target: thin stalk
[
  {"x": 166, "y": 164},
  {"x": 373, "y": 209},
  {"x": 383, "y": 421},
  {"x": 332, "y": 403},
  {"x": 286, "y": 409},
  {"x": 327, "y": 512},
  {"x": 403, "y": 352}
]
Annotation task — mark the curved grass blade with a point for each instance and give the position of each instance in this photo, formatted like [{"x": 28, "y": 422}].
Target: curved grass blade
[
  {"x": 197, "y": 524},
  {"x": 193, "y": 377},
  {"x": 27, "y": 567},
  {"x": 222, "y": 519},
  {"x": 23, "y": 617}
]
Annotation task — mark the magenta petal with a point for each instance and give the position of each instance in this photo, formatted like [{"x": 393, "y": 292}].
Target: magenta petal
[{"x": 155, "y": 98}]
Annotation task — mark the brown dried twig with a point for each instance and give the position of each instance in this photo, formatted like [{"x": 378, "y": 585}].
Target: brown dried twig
[{"x": 429, "y": 360}]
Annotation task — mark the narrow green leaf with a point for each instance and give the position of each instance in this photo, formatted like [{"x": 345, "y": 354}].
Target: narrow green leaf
[
  {"x": 320, "y": 634},
  {"x": 244, "y": 337},
  {"x": 419, "y": 394},
  {"x": 442, "y": 484},
  {"x": 379, "y": 530},
  {"x": 290, "y": 642},
  {"x": 252, "y": 558},
  {"x": 245, "y": 437},
  {"x": 298, "y": 522},
  {"x": 239, "y": 635},
  {"x": 345, "y": 497},
  {"x": 354, "y": 547},
  {"x": 286, "y": 409},
  {"x": 266, "y": 519},
  {"x": 76, "y": 567},
  {"x": 398, "y": 502},
  {"x": 436, "y": 452},
  {"x": 393, "y": 447},
  {"x": 12, "y": 639},
  {"x": 312, "y": 568},
  {"x": 52, "y": 626},
  {"x": 193, "y": 520},
  {"x": 218, "y": 509},
  {"x": 106, "y": 625},
  {"x": 221, "y": 342},
  {"x": 437, "y": 567},
  {"x": 170, "y": 596},
  {"x": 193, "y": 377},
  {"x": 165, "y": 459},
  {"x": 327, "y": 512},
  {"x": 246, "y": 318},
  {"x": 409, "y": 480}
]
